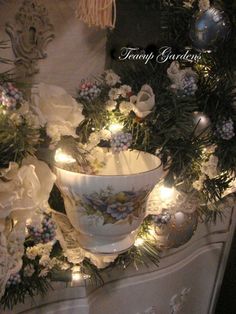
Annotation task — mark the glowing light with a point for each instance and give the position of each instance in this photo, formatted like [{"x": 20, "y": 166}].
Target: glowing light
[
  {"x": 28, "y": 221},
  {"x": 76, "y": 276},
  {"x": 166, "y": 193},
  {"x": 138, "y": 242},
  {"x": 204, "y": 69},
  {"x": 152, "y": 232},
  {"x": 62, "y": 157},
  {"x": 115, "y": 127},
  {"x": 15, "y": 221}
]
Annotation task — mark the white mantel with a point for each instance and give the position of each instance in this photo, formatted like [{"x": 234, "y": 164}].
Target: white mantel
[{"x": 187, "y": 281}]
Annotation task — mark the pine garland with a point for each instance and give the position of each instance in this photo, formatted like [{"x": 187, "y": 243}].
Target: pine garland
[{"x": 168, "y": 131}]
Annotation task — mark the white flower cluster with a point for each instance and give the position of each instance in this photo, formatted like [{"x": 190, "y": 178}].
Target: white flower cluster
[
  {"x": 96, "y": 137},
  {"x": 100, "y": 261},
  {"x": 188, "y": 4},
  {"x": 11, "y": 251},
  {"x": 204, "y": 5},
  {"x": 111, "y": 78},
  {"x": 74, "y": 255},
  {"x": 43, "y": 251},
  {"x": 141, "y": 104},
  {"x": 163, "y": 199},
  {"x": 209, "y": 168},
  {"x": 23, "y": 190},
  {"x": 95, "y": 155},
  {"x": 57, "y": 111},
  {"x": 40, "y": 249}
]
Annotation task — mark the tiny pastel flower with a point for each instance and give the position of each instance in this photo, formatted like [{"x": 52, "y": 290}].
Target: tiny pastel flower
[
  {"x": 120, "y": 210},
  {"x": 114, "y": 93},
  {"x": 126, "y": 107},
  {"x": 144, "y": 102},
  {"x": 111, "y": 105},
  {"x": 125, "y": 91},
  {"x": 111, "y": 78}
]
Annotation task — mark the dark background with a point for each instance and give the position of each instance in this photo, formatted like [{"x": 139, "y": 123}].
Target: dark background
[{"x": 141, "y": 23}]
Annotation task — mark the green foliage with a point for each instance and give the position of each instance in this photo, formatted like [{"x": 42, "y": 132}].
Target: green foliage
[
  {"x": 16, "y": 141},
  {"x": 56, "y": 201},
  {"x": 210, "y": 215},
  {"x": 213, "y": 189},
  {"x": 168, "y": 131},
  {"x": 29, "y": 287}
]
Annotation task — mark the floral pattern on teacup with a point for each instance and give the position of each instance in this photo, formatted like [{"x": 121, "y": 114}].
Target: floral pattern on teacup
[{"x": 114, "y": 207}]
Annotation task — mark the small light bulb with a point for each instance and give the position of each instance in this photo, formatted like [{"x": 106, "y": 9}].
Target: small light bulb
[
  {"x": 115, "y": 127},
  {"x": 62, "y": 157},
  {"x": 151, "y": 231},
  {"x": 15, "y": 221},
  {"x": 28, "y": 221},
  {"x": 76, "y": 276},
  {"x": 166, "y": 193},
  {"x": 138, "y": 242}
]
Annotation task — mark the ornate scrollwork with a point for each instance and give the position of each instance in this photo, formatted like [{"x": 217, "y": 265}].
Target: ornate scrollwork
[
  {"x": 150, "y": 310},
  {"x": 30, "y": 36},
  {"x": 178, "y": 300}
]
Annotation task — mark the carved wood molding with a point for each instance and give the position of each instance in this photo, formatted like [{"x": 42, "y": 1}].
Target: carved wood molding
[
  {"x": 150, "y": 310},
  {"x": 178, "y": 300},
  {"x": 30, "y": 36},
  {"x": 176, "y": 303}
]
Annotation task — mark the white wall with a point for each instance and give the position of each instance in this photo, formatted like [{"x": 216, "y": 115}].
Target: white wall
[{"x": 75, "y": 53}]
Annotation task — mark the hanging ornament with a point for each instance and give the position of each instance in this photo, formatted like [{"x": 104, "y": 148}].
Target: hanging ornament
[
  {"x": 100, "y": 13},
  {"x": 209, "y": 28},
  {"x": 177, "y": 230},
  {"x": 201, "y": 123}
]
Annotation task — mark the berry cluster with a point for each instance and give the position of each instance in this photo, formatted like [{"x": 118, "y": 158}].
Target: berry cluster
[
  {"x": 225, "y": 129},
  {"x": 89, "y": 90},
  {"x": 14, "y": 279},
  {"x": 162, "y": 219},
  {"x": 9, "y": 96},
  {"x": 44, "y": 234},
  {"x": 189, "y": 85},
  {"x": 120, "y": 141}
]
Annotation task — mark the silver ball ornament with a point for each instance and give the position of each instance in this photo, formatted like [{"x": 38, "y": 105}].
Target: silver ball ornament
[
  {"x": 201, "y": 123},
  {"x": 209, "y": 29},
  {"x": 179, "y": 230}
]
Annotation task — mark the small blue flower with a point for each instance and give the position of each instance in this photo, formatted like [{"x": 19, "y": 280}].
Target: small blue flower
[
  {"x": 225, "y": 129},
  {"x": 14, "y": 279},
  {"x": 120, "y": 210},
  {"x": 189, "y": 85},
  {"x": 121, "y": 142},
  {"x": 94, "y": 201}
]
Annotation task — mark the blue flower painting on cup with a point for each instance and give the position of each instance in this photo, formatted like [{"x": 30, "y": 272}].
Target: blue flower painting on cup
[{"x": 115, "y": 207}]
